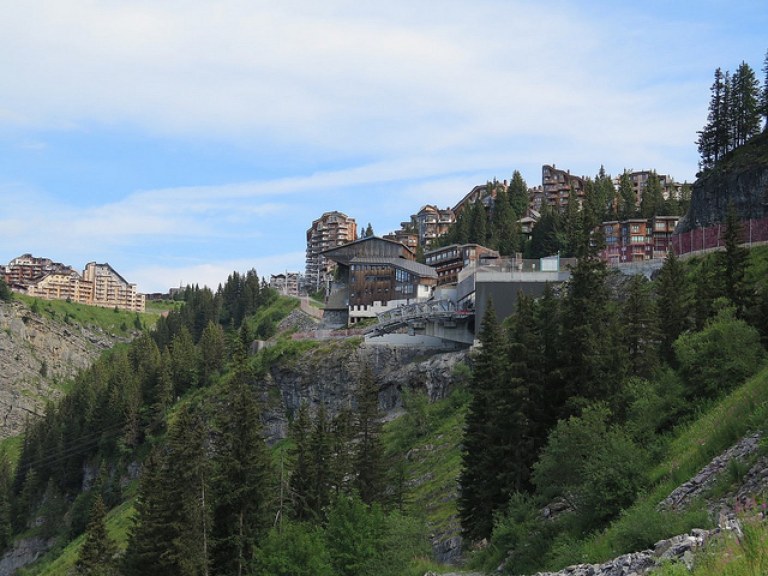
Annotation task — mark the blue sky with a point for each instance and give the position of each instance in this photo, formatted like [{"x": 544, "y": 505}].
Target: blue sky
[{"x": 182, "y": 140}]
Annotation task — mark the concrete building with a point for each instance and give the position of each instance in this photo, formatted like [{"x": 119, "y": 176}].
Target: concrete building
[
  {"x": 503, "y": 281},
  {"x": 332, "y": 229},
  {"x": 448, "y": 261},
  {"x": 427, "y": 224},
  {"x": 374, "y": 275},
  {"x": 22, "y": 270}
]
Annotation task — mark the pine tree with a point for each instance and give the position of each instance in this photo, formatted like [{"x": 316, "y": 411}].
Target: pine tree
[
  {"x": 321, "y": 448},
  {"x": 243, "y": 481},
  {"x": 640, "y": 332},
  {"x": 369, "y": 452},
  {"x": 745, "y": 105},
  {"x": 301, "y": 474},
  {"x": 212, "y": 352},
  {"x": 504, "y": 225},
  {"x": 713, "y": 138},
  {"x": 97, "y": 555},
  {"x": 518, "y": 194},
  {"x": 764, "y": 94},
  {"x": 627, "y": 197},
  {"x": 478, "y": 224},
  {"x": 652, "y": 203},
  {"x": 735, "y": 265},
  {"x": 476, "y": 505},
  {"x": 673, "y": 307}
]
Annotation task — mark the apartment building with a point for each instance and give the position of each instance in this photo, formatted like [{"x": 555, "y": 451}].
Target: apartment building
[
  {"x": 559, "y": 187},
  {"x": 332, "y": 229},
  {"x": 637, "y": 239},
  {"x": 639, "y": 180},
  {"x": 286, "y": 284},
  {"x": 426, "y": 226},
  {"x": 450, "y": 260},
  {"x": 26, "y": 268},
  {"x": 98, "y": 285}
]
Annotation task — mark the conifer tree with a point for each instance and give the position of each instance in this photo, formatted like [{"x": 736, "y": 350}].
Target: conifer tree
[
  {"x": 320, "y": 443},
  {"x": 369, "y": 452},
  {"x": 627, "y": 198},
  {"x": 639, "y": 324},
  {"x": 301, "y": 474},
  {"x": 735, "y": 265},
  {"x": 478, "y": 224},
  {"x": 184, "y": 361},
  {"x": 652, "y": 203},
  {"x": 518, "y": 194},
  {"x": 673, "y": 297},
  {"x": 244, "y": 481},
  {"x": 97, "y": 555},
  {"x": 745, "y": 105},
  {"x": 212, "y": 352},
  {"x": 714, "y": 139},
  {"x": 504, "y": 224},
  {"x": 476, "y": 505}
]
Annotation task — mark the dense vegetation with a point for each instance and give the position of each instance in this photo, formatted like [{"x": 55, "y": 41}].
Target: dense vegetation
[{"x": 575, "y": 396}]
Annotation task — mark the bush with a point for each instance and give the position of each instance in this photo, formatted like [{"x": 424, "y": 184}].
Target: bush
[
  {"x": 295, "y": 550},
  {"x": 719, "y": 357}
]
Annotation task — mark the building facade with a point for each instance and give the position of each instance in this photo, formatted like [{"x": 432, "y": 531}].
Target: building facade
[
  {"x": 559, "y": 187},
  {"x": 332, "y": 229},
  {"x": 637, "y": 239},
  {"x": 286, "y": 284},
  {"x": 448, "y": 261},
  {"x": 99, "y": 285}
]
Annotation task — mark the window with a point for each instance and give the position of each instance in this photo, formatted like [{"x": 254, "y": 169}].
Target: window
[{"x": 635, "y": 227}]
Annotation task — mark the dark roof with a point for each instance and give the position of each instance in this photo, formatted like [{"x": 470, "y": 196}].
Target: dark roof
[
  {"x": 368, "y": 239},
  {"x": 410, "y": 265}
]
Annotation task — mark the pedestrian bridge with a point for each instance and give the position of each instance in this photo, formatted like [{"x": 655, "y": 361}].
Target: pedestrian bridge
[{"x": 439, "y": 318}]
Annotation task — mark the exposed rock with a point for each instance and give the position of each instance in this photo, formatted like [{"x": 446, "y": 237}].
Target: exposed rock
[
  {"x": 24, "y": 551},
  {"x": 741, "y": 180},
  {"x": 329, "y": 374},
  {"x": 36, "y": 352},
  {"x": 707, "y": 476}
]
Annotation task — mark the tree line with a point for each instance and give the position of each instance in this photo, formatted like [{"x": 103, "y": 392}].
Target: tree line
[
  {"x": 574, "y": 392},
  {"x": 738, "y": 106},
  {"x": 496, "y": 226}
]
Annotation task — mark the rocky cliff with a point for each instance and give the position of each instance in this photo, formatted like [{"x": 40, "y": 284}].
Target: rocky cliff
[
  {"x": 329, "y": 374},
  {"x": 36, "y": 355},
  {"x": 740, "y": 179}
]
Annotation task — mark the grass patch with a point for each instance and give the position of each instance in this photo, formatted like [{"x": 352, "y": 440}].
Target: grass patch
[{"x": 110, "y": 320}]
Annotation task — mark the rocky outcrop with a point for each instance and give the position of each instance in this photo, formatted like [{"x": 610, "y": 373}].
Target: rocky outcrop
[
  {"x": 329, "y": 374},
  {"x": 24, "y": 552},
  {"x": 35, "y": 354},
  {"x": 740, "y": 180}
]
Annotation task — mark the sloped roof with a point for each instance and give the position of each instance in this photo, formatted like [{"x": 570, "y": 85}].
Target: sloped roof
[{"x": 417, "y": 268}]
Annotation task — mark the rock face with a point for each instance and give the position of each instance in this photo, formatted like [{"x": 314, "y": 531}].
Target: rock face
[
  {"x": 24, "y": 552},
  {"x": 36, "y": 352},
  {"x": 740, "y": 180},
  {"x": 329, "y": 374}
]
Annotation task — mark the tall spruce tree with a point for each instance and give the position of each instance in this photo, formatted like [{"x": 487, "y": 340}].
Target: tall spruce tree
[
  {"x": 518, "y": 194},
  {"x": 652, "y": 203},
  {"x": 244, "y": 481},
  {"x": 301, "y": 473},
  {"x": 673, "y": 303},
  {"x": 97, "y": 556},
  {"x": 735, "y": 264},
  {"x": 640, "y": 329},
  {"x": 745, "y": 104},
  {"x": 369, "y": 451},
  {"x": 713, "y": 138},
  {"x": 477, "y": 487},
  {"x": 627, "y": 199}
]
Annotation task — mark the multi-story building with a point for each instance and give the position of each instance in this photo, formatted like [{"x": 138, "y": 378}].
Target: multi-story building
[
  {"x": 560, "y": 187},
  {"x": 427, "y": 225},
  {"x": 639, "y": 180},
  {"x": 286, "y": 284},
  {"x": 375, "y": 275},
  {"x": 26, "y": 268},
  {"x": 99, "y": 285},
  {"x": 332, "y": 229},
  {"x": 637, "y": 239},
  {"x": 407, "y": 236},
  {"x": 448, "y": 261}
]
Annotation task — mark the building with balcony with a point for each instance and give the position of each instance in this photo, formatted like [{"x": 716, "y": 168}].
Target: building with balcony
[
  {"x": 26, "y": 268},
  {"x": 286, "y": 284},
  {"x": 374, "y": 275},
  {"x": 559, "y": 187},
  {"x": 332, "y": 229},
  {"x": 448, "y": 261},
  {"x": 637, "y": 239},
  {"x": 99, "y": 285}
]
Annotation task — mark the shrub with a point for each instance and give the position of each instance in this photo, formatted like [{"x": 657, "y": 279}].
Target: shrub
[{"x": 719, "y": 357}]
